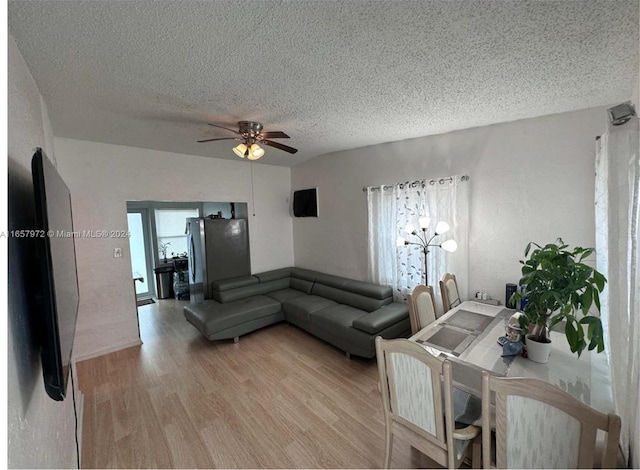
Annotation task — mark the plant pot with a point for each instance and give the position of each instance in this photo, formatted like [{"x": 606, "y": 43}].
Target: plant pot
[{"x": 537, "y": 351}]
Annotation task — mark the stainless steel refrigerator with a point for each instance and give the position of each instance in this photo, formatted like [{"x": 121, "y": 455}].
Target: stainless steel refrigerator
[{"x": 218, "y": 249}]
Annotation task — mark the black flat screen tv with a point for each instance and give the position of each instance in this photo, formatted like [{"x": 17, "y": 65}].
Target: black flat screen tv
[
  {"x": 305, "y": 203},
  {"x": 57, "y": 293}
]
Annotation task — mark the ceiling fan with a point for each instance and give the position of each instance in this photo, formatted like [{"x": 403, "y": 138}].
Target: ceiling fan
[{"x": 249, "y": 134}]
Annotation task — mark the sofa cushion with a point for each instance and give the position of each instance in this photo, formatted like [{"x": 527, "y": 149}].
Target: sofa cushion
[
  {"x": 333, "y": 324},
  {"x": 357, "y": 287},
  {"x": 337, "y": 319},
  {"x": 301, "y": 284},
  {"x": 298, "y": 310},
  {"x": 306, "y": 274},
  {"x": 357, "y": 341},
  {"x": 368, "y": 289},
  {"x": 273, "y": 275},
  {"x": 331, "y": 280},
  {"x": 274, "y": 285},
  {"x": 345, "y": 297},
  {"x": 244, "y": 328},
  {"x": 233, "y": 283},
  {"x": 302, "y": 279},
  {"x": 382, "y": 318},
  {"x": 250, "y": 290},
  {"x": 285, "y": 294},
  {"x": 211, "y": 316}
]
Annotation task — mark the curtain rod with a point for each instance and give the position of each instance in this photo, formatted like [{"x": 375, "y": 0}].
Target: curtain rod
[{"x": 431, "y": 182}]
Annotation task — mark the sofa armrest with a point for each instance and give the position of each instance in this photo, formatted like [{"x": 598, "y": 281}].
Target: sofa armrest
[{"x": 382, "y": 318}]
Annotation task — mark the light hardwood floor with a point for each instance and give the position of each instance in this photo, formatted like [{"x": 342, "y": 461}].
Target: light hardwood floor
[{"x": 279, "y": 398}]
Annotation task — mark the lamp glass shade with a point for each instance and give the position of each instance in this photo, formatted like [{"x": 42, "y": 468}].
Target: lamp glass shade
[
  {"x": 424, "y": 222},
  {"x": 409, "y": 228},
  {"x": 400, "y": 241},
  {"x": 442, "y": 227},
  {"x": 449, "y": 245},
  {"x": 255, "y": 152},
  {"x": 240, "y": 150}
]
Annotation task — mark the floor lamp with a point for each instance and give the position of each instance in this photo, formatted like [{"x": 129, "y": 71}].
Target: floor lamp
[{"x": 425, "y": 242}]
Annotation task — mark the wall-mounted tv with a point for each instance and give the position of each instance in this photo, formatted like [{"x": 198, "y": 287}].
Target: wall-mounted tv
[
  {"x": 57, "y": 287},
  {"x": 305, "y": 203}
]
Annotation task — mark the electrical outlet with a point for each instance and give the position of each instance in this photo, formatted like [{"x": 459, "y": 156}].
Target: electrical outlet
[{"x": 117, "y": 252}]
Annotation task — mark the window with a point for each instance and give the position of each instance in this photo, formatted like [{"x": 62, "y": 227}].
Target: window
[
  {"x": 392, "y": 208},
  {"x": 170, "y": 230}
]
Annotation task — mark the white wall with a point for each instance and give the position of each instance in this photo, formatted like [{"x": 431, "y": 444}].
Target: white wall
[
  {"x": 102, "y": 177},
  {"x": 531, "y": 180},
  {"x": 40, "y": 430},
  {"x": 212, "y": 208}
]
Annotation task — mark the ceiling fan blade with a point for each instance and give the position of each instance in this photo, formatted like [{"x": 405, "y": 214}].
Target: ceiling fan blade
[
  {"x": 226, "y": 128},
  {"x": 218, "y": 138},
  {"x": 274, "y": 135},
  {"x": 278, "y": 145}
]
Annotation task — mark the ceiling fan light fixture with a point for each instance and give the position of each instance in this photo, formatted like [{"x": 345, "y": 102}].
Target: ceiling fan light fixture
[
  {"x": 240, "y": 150},
  {"x": 255, "y": 152},
  {"x": 249, "y": 133}
]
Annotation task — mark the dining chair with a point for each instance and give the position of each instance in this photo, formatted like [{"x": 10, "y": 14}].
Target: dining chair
[
  {"x": 422, "y": 307},
  {"x": 449, "y": 291},
  {"x": 418, "y": 406},
  {"x": 538, "y": 425}
]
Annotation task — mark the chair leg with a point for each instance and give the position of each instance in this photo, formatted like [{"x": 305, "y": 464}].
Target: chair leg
[
  {"x": 476, "y": 452},
  {"x": 388, "y": 444}
]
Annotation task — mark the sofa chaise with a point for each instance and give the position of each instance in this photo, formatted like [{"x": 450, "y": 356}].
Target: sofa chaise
[{"x": 346, "y": 313}]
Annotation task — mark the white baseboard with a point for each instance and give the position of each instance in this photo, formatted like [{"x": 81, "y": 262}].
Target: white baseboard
[
  {"x": 107, "y": 350},
  {"x": 80, "y": 413},
  {"x": 78, "y": 402}
]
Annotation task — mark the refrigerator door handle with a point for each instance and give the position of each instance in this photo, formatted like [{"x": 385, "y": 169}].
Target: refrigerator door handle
[{"x": 192, "y": 265}]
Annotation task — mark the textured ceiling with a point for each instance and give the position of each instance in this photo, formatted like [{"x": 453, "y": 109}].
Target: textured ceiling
[{"x": 332, "y": 75}]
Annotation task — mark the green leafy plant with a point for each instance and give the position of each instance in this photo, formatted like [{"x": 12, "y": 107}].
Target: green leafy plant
[{"x": 559, "y": 286}]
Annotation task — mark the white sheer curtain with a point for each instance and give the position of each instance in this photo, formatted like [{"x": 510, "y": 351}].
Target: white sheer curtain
[
  {"x": 391, "y": 208},
  {"x": 617, "y": 241}
]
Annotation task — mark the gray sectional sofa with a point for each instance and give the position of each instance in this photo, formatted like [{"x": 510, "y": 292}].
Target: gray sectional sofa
[{"x": 344, "y": 312}]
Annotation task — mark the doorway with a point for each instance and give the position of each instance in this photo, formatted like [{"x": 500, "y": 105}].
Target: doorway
[
  {"x": 158, "y": 243},
  {"x": 140, "y": 248}
]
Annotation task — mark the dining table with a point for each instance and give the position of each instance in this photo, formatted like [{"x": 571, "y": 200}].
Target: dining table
[{"x": 468, "y": 334}]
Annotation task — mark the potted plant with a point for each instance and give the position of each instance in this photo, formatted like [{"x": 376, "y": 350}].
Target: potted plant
[
  {"x": 163, "y": 250},
  {"x": 557, "y": 286}
]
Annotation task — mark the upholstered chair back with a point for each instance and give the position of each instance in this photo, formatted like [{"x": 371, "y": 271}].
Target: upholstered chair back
[
  {"x": 538, "y": 425},
  {"x": 449, "y": 292},
  {"x": 422, "y": 309},
  {"x": 417, "y": 398}
]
